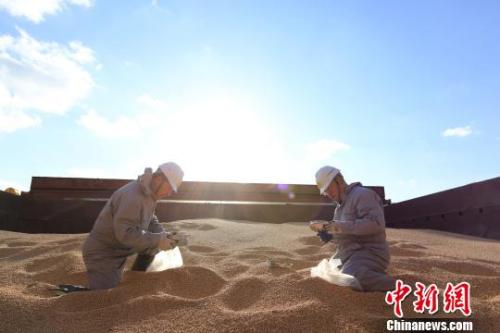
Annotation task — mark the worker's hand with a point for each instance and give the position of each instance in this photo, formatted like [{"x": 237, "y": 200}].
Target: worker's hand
[
  {"x": 333, "y": 227},
  {"x": 317, "y": 226},
  {"x": 166, "y": 244},
  {"x": 180, "y": 239}
]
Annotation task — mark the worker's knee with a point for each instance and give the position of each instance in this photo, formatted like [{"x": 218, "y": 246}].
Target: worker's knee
[
  {"x": 103, "y": 279},
  {"x": 376, "y": 281},
  {"x": 369, "y": 277}
]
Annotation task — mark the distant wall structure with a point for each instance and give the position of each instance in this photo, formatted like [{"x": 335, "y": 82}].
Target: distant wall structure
[
  {"x": 71, "y": 205},
  {"x": 472, "y": 209},
  {"x": 10, "y": 205}
]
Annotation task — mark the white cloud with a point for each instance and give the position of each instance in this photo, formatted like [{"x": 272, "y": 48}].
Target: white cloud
[
  {"x": 35, "y": 11},
  {"x": 81, "y": 53},
  {"x": 151, "y": 103},
  {"x": 324, "y": 148},
  {"x": 457, "y": 131},
  {"x": 122, "y": 127},
  {"x": 11, "y": 121},
  {"x": 151, "y": 116},
  {"x": 37, "y": 76}
]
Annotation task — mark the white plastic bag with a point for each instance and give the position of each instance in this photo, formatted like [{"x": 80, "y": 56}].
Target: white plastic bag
[
  {"x": 164, "y": 260},
  {"x": 328, "y": 270}
]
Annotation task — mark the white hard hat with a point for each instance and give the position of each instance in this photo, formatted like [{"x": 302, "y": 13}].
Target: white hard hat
[
  {"x": 173, "y": 173},
  {"x": 324, "y": 177}
]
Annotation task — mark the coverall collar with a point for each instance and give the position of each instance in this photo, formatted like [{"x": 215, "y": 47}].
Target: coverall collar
[
  {"x": 145, "y": 183},
  {"x": 348, "y": 190}
]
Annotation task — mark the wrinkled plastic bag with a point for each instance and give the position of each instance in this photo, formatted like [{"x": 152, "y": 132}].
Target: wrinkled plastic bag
[
  {"x": 328, "y": 270},
  {"x": 164, "y": 260}
]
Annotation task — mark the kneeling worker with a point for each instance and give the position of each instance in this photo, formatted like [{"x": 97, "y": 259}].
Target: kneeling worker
[
  {"x": 127, "y": 225},
  {"x": 358, "y": 229}
]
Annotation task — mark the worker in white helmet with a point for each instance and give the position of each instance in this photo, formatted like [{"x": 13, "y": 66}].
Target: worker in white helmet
[
  {"x": 127, "y": 225},
  {"x": 358, "y": 230}
]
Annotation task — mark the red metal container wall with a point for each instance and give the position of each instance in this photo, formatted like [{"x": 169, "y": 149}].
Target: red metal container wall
[{"x": 472, "y": 209}]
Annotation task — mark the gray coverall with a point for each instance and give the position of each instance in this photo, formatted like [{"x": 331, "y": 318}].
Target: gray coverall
[
  {"x": 126, "y": 225},
  {"x": 361, "y": 241}
]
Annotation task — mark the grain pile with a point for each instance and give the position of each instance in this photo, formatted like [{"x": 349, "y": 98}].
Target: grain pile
[{"x": 227, "y": 284}]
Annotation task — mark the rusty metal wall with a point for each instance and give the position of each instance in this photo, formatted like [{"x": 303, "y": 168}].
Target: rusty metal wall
[
  {"x": 10, "y": 205},
  {"x": 59, "y": 187},
  {"x": 78, "y": 215},
  {"x": 71, "y": 205},
  {"x": 472, "y": 209}
]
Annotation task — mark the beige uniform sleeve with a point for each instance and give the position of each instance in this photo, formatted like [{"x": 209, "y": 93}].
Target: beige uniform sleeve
[
  {"x": 369, "y": 216},
  {"x": 127, "y": 226},
  {"x": 155, "y": 226}
]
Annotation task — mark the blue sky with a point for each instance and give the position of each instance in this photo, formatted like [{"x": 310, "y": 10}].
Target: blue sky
[{"x": 403, "y": 94}]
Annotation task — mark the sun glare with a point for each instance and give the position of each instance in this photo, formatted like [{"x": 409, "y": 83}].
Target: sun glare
[{"x": 226, "y": 138}]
